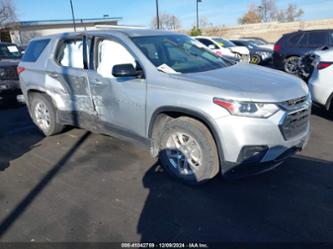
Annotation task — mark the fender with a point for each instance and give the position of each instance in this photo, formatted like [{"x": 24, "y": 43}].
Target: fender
[
  {"x": 209, "y": 122},
  {"x": 329, "y": 102}
]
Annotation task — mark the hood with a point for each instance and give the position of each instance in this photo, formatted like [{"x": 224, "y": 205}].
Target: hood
[
  {"x": 249, "y": 82},
  {"x": 240, "y": 50}
]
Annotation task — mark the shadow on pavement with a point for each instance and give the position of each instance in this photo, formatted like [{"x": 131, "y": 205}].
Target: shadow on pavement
[
  {"x": 29, "y": 198},
  {"x": 291, "y": 203},
  {"x": 322, "y": 112}
]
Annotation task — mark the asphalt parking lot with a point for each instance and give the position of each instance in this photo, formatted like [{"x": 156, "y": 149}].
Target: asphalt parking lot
[{"x": 79, "y": 186}]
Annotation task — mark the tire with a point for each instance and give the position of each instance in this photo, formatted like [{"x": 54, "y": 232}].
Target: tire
[
  {"x": 255, "y": 59},
  {"x": 188, "y": 151},
  {"x": 43, "y": 114},
  {"x": 290, "y": 64}
]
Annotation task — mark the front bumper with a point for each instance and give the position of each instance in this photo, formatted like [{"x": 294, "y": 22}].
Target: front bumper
[{"x": 237, "y": 133}]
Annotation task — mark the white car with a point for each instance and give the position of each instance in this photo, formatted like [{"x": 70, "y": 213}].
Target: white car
[
  {"x": 321, "y": 80},
  {"x": 224, "y": 47}
]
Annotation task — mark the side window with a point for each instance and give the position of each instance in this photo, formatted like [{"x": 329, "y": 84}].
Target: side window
[
  {"x": 34, "y": 50},
  {"x": 70, "y": 54},
  {"x": 110, "y": 53},
  {"x": 317, "y": 39},
  {"x": 295, "y": 38},
  {"x": 150, "y": 50},
  {"x": 304, "y": 40}
]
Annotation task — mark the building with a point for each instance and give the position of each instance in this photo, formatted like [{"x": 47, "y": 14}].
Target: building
[{"x": 21, "y": 32}]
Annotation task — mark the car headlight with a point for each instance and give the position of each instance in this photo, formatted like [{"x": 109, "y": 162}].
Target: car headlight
[{"x": 247, "y": 109}]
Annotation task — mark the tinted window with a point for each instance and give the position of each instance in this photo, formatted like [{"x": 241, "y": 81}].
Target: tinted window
[
  {"x": 304, "y": 40},
  {"x": 317, "y": 39},
  {"x": 331, "y": 39},
  {"x": 34, "y": 50},
  {"x": 295, "y": 38}
]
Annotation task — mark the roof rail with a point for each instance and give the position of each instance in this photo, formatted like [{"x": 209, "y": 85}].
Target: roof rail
[{"x": 106, "y": 26}]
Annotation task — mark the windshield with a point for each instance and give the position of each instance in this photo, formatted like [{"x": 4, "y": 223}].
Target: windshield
[
  {"x": 178, "y": 54},
  {"x": 224, "y": 43},
  {"x": 9, "y": 51}
]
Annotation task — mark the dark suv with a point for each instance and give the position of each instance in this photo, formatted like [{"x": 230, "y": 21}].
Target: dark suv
[
  {"x": 10, "y": 56},
  {"x": 290, "y": 47}
]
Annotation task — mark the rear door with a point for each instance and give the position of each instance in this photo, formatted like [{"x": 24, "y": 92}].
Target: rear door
[
  {"x": 70, "y": 70},
  {"x": 120, "y": 102}
]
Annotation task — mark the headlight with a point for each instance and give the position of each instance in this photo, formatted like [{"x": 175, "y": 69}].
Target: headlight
[{"x": 247, "y": 109}]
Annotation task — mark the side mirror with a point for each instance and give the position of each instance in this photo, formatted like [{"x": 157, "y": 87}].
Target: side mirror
[
  {"x": 211, "y": 46},
  {"x": 124, "y": 70}
]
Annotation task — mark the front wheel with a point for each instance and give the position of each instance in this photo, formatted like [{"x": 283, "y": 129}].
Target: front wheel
[
  {"x": 255, "y": 59},
  {"x": 188, "y": 151}
]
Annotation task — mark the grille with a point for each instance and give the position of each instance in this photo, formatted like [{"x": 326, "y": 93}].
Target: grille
[
  {"x": 9, "y": 73},
  {"x": 294, "y": 103},
  {"x": 295, "y": 123},
  {"x": 296, "y": 120}
]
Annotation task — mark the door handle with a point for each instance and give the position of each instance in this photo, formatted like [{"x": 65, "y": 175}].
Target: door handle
[{"x": 53, "y": 75}]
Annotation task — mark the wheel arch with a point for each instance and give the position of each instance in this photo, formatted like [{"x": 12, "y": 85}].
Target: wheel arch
[
  {"x": 165, "y": 112},
  {"x": 329, "y": 104}
]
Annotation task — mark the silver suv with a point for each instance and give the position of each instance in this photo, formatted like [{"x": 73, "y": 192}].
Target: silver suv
[{"x": 199, "y": 112}]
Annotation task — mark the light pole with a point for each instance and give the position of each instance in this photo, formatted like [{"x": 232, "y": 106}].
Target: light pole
[
  {"x": 157, "y": 16},
  {"x": 74, "y": 25},
  {"x": 197, "y": 2}
]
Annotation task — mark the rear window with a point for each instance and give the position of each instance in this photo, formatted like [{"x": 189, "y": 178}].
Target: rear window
[{"x": 34, "y": 50}]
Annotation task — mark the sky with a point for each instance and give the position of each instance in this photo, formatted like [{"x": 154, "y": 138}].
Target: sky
[{"x": 141, "y": 12}]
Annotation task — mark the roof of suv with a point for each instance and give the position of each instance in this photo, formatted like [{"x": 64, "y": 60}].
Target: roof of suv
[
  {"x": 308, "y": 31},
  {"x": 128, "y": 32}
]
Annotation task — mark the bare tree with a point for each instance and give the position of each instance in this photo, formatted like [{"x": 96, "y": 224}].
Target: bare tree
[
  {"x": 267, "y": 10},
  {"x": 251, "y": 16},
  {"x": 293, "y": 13},
  {"x": 7, "y": 11},
  {"x": 167, "y": 22}
]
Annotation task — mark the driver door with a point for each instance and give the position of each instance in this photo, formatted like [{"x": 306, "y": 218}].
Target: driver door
[{"x": 119, "y": 101}]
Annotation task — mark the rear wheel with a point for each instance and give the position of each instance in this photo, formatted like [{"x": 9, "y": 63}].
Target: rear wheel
[
  {"x": 188, "y": 151},
  {"x": 291, "y": 64},
  {"x": 44, "y": 115}
]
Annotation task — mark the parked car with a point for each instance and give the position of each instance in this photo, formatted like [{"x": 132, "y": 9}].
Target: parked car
[
  {"x": 199, "y": 113},
  {"x": 290, "y": 47},
  {"x": 261, "y": 43},
  {"x": 223, "y": 47},
  {"x": 258, "y": 54},
  {"x": 9, "y": 80},
  {"x": 320, "y": 64}
]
